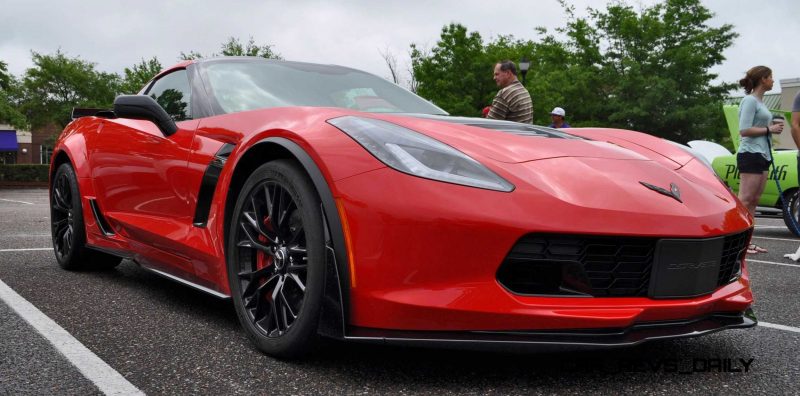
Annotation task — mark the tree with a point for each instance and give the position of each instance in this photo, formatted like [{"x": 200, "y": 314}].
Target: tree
[
  {"x": 457, "y": 73},
  {"x": 56, "y": 84},
  {"x": 234, "y": 47},
  {"x": 454, "y": 74},
  {"x": 391, "y": 63},
  {"x": 653, "y": 68},
  {"x": 173, "y": 103},
  {"x": 5, "y": 76},
  {"x": 192, "y": 55},
  {"x": 138, "y": 75},
  {"x": 9, "y": 99},
  {"x": 646, "y": 70}
]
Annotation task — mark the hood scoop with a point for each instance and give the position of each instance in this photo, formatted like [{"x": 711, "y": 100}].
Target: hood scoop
[
  {"x": 502, "y": 126},
  {"x": 513, "y": 142}
]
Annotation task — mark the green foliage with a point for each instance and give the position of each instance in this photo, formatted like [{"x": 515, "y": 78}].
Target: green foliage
[
  {"x": 56, "y": 84},
  {"x": 192, "y": 55},
  {"x": 48, "y": 91},
  {"x": 646, "y": 70},
  {"x": 9, "y": 99},
  {"x": 173, "y": 103},
  {"x": 24, "y": 173},
  {"x": 9, "y": 113},
  {"x": 654, "y": 69},
  {"x": 454, "y": 75},
  {"x": 138, "y": 75},
  {"x": 5, "y": 76},
  {"x": 234, "y": 47}
]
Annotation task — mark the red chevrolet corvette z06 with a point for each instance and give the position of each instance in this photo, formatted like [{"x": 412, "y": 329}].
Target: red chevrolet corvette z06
[{"x": 329, "y": 202}]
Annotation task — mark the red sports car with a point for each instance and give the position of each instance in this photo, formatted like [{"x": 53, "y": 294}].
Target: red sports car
[{"x": 326, "y": 201}]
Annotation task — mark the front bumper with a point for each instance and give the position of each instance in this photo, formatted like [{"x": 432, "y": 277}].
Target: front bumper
[
  {"x": 425, "y": 256},
  {"x": 543, "y": 341}
]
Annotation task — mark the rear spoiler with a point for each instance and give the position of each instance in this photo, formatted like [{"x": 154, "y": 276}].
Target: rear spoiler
[{"x": 78, "y": 112}]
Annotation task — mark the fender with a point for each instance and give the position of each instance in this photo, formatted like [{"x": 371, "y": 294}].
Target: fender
[
  {"x": 335, "y": 306},
  {"x": 71, "y": 148},
  {"x": 333, "y": 225},
  {"x": 73, "y": 143}
]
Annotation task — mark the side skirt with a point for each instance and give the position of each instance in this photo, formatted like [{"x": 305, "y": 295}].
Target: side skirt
[{"x": 187, "y": 283}]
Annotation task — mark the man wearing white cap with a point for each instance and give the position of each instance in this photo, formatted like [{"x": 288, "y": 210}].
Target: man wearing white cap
[{"x": 557, "y": 115}]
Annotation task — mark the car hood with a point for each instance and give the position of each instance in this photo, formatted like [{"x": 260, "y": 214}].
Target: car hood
[
  {"x": 623, "y": 186},
  {"x": 510, "y": 142}
]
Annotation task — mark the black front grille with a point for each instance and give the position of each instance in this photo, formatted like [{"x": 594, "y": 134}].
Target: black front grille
[
  {"x": 599, "y": 266},
  {"x": 732, "y": 254}
]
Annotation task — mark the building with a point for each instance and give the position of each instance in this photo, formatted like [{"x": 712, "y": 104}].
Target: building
[{"x": 24, "y": 147}]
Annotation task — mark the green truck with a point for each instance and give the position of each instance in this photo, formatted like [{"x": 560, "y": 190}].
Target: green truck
[{"x": 784, "y": 171}]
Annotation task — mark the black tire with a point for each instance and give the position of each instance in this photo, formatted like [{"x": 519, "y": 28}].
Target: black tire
[
  {"x": 67, "y": 226},
  {"x": 793, "y": 199},
  {"x": 276, "y": 259}
]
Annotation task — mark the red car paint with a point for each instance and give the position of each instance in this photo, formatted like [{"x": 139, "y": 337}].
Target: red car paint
[{"x": 423, "y": 255}]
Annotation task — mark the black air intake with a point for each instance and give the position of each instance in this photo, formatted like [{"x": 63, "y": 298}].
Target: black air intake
[{"x": 600, "y": 266}]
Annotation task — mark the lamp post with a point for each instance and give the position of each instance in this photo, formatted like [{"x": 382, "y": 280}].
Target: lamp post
[{"x": 524, "y": 65}]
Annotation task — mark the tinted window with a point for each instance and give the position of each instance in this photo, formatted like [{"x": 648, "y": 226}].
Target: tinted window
[
  {"x": 172, "y": 92},
  {"x": 240, "y": 86}
]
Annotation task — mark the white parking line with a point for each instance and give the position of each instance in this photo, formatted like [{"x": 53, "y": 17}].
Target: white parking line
[
  {"x": 773, "y": 263},
  {"x": 768, "y": 226},
  {"x": 11, "y": 200},
  {"x": 108, "y": 380},
  {"x": 24, "y": 250},
  {"x": 780, "y": 327},
  {"x": 777, "y": 239}
]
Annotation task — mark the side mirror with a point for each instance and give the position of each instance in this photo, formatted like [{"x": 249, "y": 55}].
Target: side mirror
[{"x": 143, "y": 107}]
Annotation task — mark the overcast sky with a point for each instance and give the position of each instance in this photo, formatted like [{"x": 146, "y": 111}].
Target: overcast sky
[{"x": 118, "y": 34}]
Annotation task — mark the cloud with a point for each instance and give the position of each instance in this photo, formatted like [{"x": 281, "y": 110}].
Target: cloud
[{"x": 352, "y": 33}]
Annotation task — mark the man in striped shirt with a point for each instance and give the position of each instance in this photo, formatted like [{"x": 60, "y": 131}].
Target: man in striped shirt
[{"x": 513, "y": 102}]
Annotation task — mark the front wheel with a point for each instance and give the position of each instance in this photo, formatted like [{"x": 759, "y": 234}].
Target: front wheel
[
  {"x": 791, "y": 209},
  {"x": 276, "y": 259}
]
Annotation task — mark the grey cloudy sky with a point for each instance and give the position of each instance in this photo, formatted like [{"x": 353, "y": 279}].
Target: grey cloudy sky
[{"x": 117, "y": 34}]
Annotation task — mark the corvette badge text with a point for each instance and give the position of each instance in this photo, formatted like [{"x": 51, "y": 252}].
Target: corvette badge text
[
  {"x": 683, "y": 366},
  {"x": 776, "y": 173}
]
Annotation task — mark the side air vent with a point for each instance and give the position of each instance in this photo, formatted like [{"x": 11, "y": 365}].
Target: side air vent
[
  {"x": 102, "y": 224},
  {"x": 209, "y": 183}
]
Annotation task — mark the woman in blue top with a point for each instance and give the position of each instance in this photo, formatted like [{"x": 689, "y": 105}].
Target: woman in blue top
[{"x": 754, "y": 156}]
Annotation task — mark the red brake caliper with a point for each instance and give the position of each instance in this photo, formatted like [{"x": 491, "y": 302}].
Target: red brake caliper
[{"x": 262, "y": 259}]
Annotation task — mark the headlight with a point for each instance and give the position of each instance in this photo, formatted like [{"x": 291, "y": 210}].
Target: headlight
[{"x": 419, "y": 155}]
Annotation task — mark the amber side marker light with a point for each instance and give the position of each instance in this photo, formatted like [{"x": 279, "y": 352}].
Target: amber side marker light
[{"x": 347, "y": 241}]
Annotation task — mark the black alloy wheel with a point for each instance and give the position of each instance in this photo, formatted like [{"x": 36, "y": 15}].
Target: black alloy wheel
[
  {"x": 276, "y": 259},
  {"x": 791, "y": 209},
  {"x": 67, "y": 225},
  {"x": 273, "y": 261},
  {"x": 63, "y": 217}
]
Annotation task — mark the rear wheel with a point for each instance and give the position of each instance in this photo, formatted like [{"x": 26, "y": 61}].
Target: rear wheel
[
  {"x": 67, "y": 226},
  {"x": 791, "y": 209},
  {"x": 276, "y": 259}
]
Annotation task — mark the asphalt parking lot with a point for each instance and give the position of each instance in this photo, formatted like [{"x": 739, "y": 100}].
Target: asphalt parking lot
[{"x": 165, "y": 338}]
